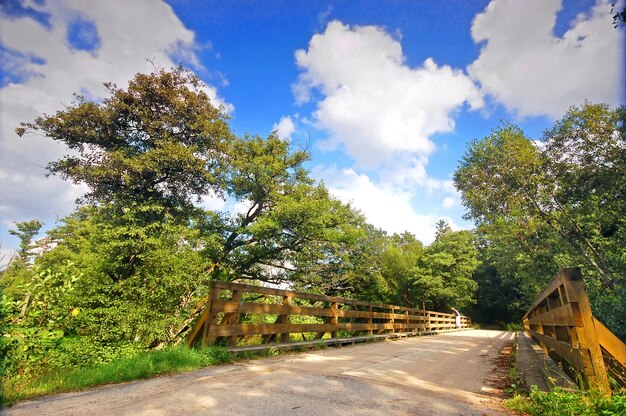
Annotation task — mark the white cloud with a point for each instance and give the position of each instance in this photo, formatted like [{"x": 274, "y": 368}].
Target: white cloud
[
  {"x": 532, "y": 72},
  {"x": 373, "y": 104},
  {"x": 410, "y": 172},
  {"x": 284, "y": 128},
  {"x": 385, "y": 206},
  {"x": 128, "y": 33},
  {"x": 449, "y": 202},
  {"x": 213, "y": 202}
]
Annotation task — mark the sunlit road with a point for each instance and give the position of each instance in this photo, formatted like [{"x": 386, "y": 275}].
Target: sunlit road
[{"x": 434, "y": 375}]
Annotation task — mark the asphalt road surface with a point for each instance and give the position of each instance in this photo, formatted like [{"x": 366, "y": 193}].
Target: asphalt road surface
[{"x": 434, "y": 375}]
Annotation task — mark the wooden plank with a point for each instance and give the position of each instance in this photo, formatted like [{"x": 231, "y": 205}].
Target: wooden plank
[
  {"x": 334, "y": 320},
  {"x": 560, "y": 316},
  {"x": 398, "y": 318},
  {"x": 299, "y": 295},
  {"x": 196, "y": 331},
  {"x": 284, "y": 319},
  {"x": 263, "y": 329},
  {"x": 572, "y": 355},
  {"x": 613, "y": 345},
  {"x": 564, "y": 275},
  {"x": 311, "y": 296},
  {"x": 275, "y": 309}
]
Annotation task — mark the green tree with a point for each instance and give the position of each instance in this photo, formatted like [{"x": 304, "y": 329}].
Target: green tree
[
  {"x": 442, "y": 227},
  {"x": 160, "y": 141},
  {"x": 506, "y": 176},
  {"x": 25, "y": 231},
  {"x": 147, "y": 153},
  {"x": 18, "y": 270},
  {"x": 443, "y": 276},
  {"x": 398, "y": 262}
]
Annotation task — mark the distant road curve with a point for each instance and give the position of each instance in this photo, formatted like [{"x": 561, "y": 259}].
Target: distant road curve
[{"x": 434, "y": 375}]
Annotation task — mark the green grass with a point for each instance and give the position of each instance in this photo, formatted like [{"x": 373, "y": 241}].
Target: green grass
[
  {"x": 514, "y": 326},
  {"x": 140, "y": 366},
  {"x": 560, "y": 402}
]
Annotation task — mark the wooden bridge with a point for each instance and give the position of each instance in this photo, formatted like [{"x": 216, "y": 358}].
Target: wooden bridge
[
  {"x": 561, "y": 322},
  {"x": 247, "y": 317}
]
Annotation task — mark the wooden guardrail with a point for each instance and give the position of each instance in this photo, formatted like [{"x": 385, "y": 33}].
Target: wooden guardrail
[
  {"x": 238, "y": 313},
  {"x": 561, "y": 322}
]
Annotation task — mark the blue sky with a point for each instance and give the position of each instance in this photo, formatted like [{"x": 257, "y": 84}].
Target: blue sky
[{"x": 385, "y": 95}]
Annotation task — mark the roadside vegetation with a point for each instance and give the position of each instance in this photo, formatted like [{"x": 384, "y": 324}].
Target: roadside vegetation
[
  {"x": 125, "y": 274},
  {"x": 124, "y": 368},
  {"x": 560, "y": 402}
]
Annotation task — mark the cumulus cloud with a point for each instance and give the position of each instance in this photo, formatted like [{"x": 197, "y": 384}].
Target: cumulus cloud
[
  {"x": 533, "y": 72},
  {"x": 385, "y": 206},
  {"x": 372, "y": 103},
  {"x": 449, "y": 202},
  {"x": 285, "y": 127},
  {"x": 75, "y": 47}
]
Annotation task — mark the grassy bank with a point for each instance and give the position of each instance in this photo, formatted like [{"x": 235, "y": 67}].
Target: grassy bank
[
  {"x": 559, "y": 402},
  {"x": 140, "y": 366}
]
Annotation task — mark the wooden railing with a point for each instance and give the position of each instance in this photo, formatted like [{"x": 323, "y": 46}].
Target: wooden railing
[
  {"x": 242, "y": 314},
  {"x": 560, "y": 320}
]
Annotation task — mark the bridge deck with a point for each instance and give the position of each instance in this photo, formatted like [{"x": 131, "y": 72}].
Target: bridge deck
[{"x": 437, "y": 375}]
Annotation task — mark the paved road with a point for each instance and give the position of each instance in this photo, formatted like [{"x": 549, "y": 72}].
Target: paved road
[{"x": 435, "y": 375}]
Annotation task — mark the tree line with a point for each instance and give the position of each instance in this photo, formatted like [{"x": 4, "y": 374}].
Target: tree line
[{"x": 128, "y": 269}]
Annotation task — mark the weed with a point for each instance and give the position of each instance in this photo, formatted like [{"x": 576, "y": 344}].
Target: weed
[
  {"x": 559, "y": 402},
  {"x": 514, "y": 327}
]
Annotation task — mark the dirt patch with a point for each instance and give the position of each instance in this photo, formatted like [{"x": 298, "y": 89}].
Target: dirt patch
[
  {"x": 499, "y": 378},
  {"x": 499, "y": 381}
]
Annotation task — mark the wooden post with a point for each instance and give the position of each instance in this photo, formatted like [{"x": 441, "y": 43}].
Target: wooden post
[
  {"x": 408, "y": 322},
  {"x": 284, "y": 319},
  {"x": 370, "y": 321},
  {"x": 211, "y": 317},
  {"x": 392, "y": 321},
  {"x": 235, "y": 318},
  {"x": 334, "y": 319},
  {"x": 587, "y": 336}
]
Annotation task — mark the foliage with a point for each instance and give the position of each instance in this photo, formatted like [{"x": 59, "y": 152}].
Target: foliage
[
  {"x": 560, "y": 402},
  {"x": 145, "y": 252},
  {"x": 160, "y": 141},
  {"x": 39, "y": 319},
  {"x": 619, "y": 16},
  {"x": 17, "y": 271},
  {"x": 398, "y": 263},
  {"x": 25, "y": 231},
  {"x": 139, "y": 280},
  {"x": 559, "y": 203},
  {"x": 120, "y": 369},
  {"x": 443, "y": 278}
]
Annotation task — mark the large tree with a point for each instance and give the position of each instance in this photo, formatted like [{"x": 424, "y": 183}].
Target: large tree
[
  {"x": 573, "y": 183},
  {"x": 159, "y": 141}
]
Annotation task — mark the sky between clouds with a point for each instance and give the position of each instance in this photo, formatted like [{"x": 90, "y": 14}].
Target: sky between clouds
[{"x": 385, "y": 96}]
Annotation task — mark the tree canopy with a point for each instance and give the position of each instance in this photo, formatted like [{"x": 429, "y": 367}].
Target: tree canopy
[
  {"x": 160, "y": 141},
  {"x": 556, "y": 203}
]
